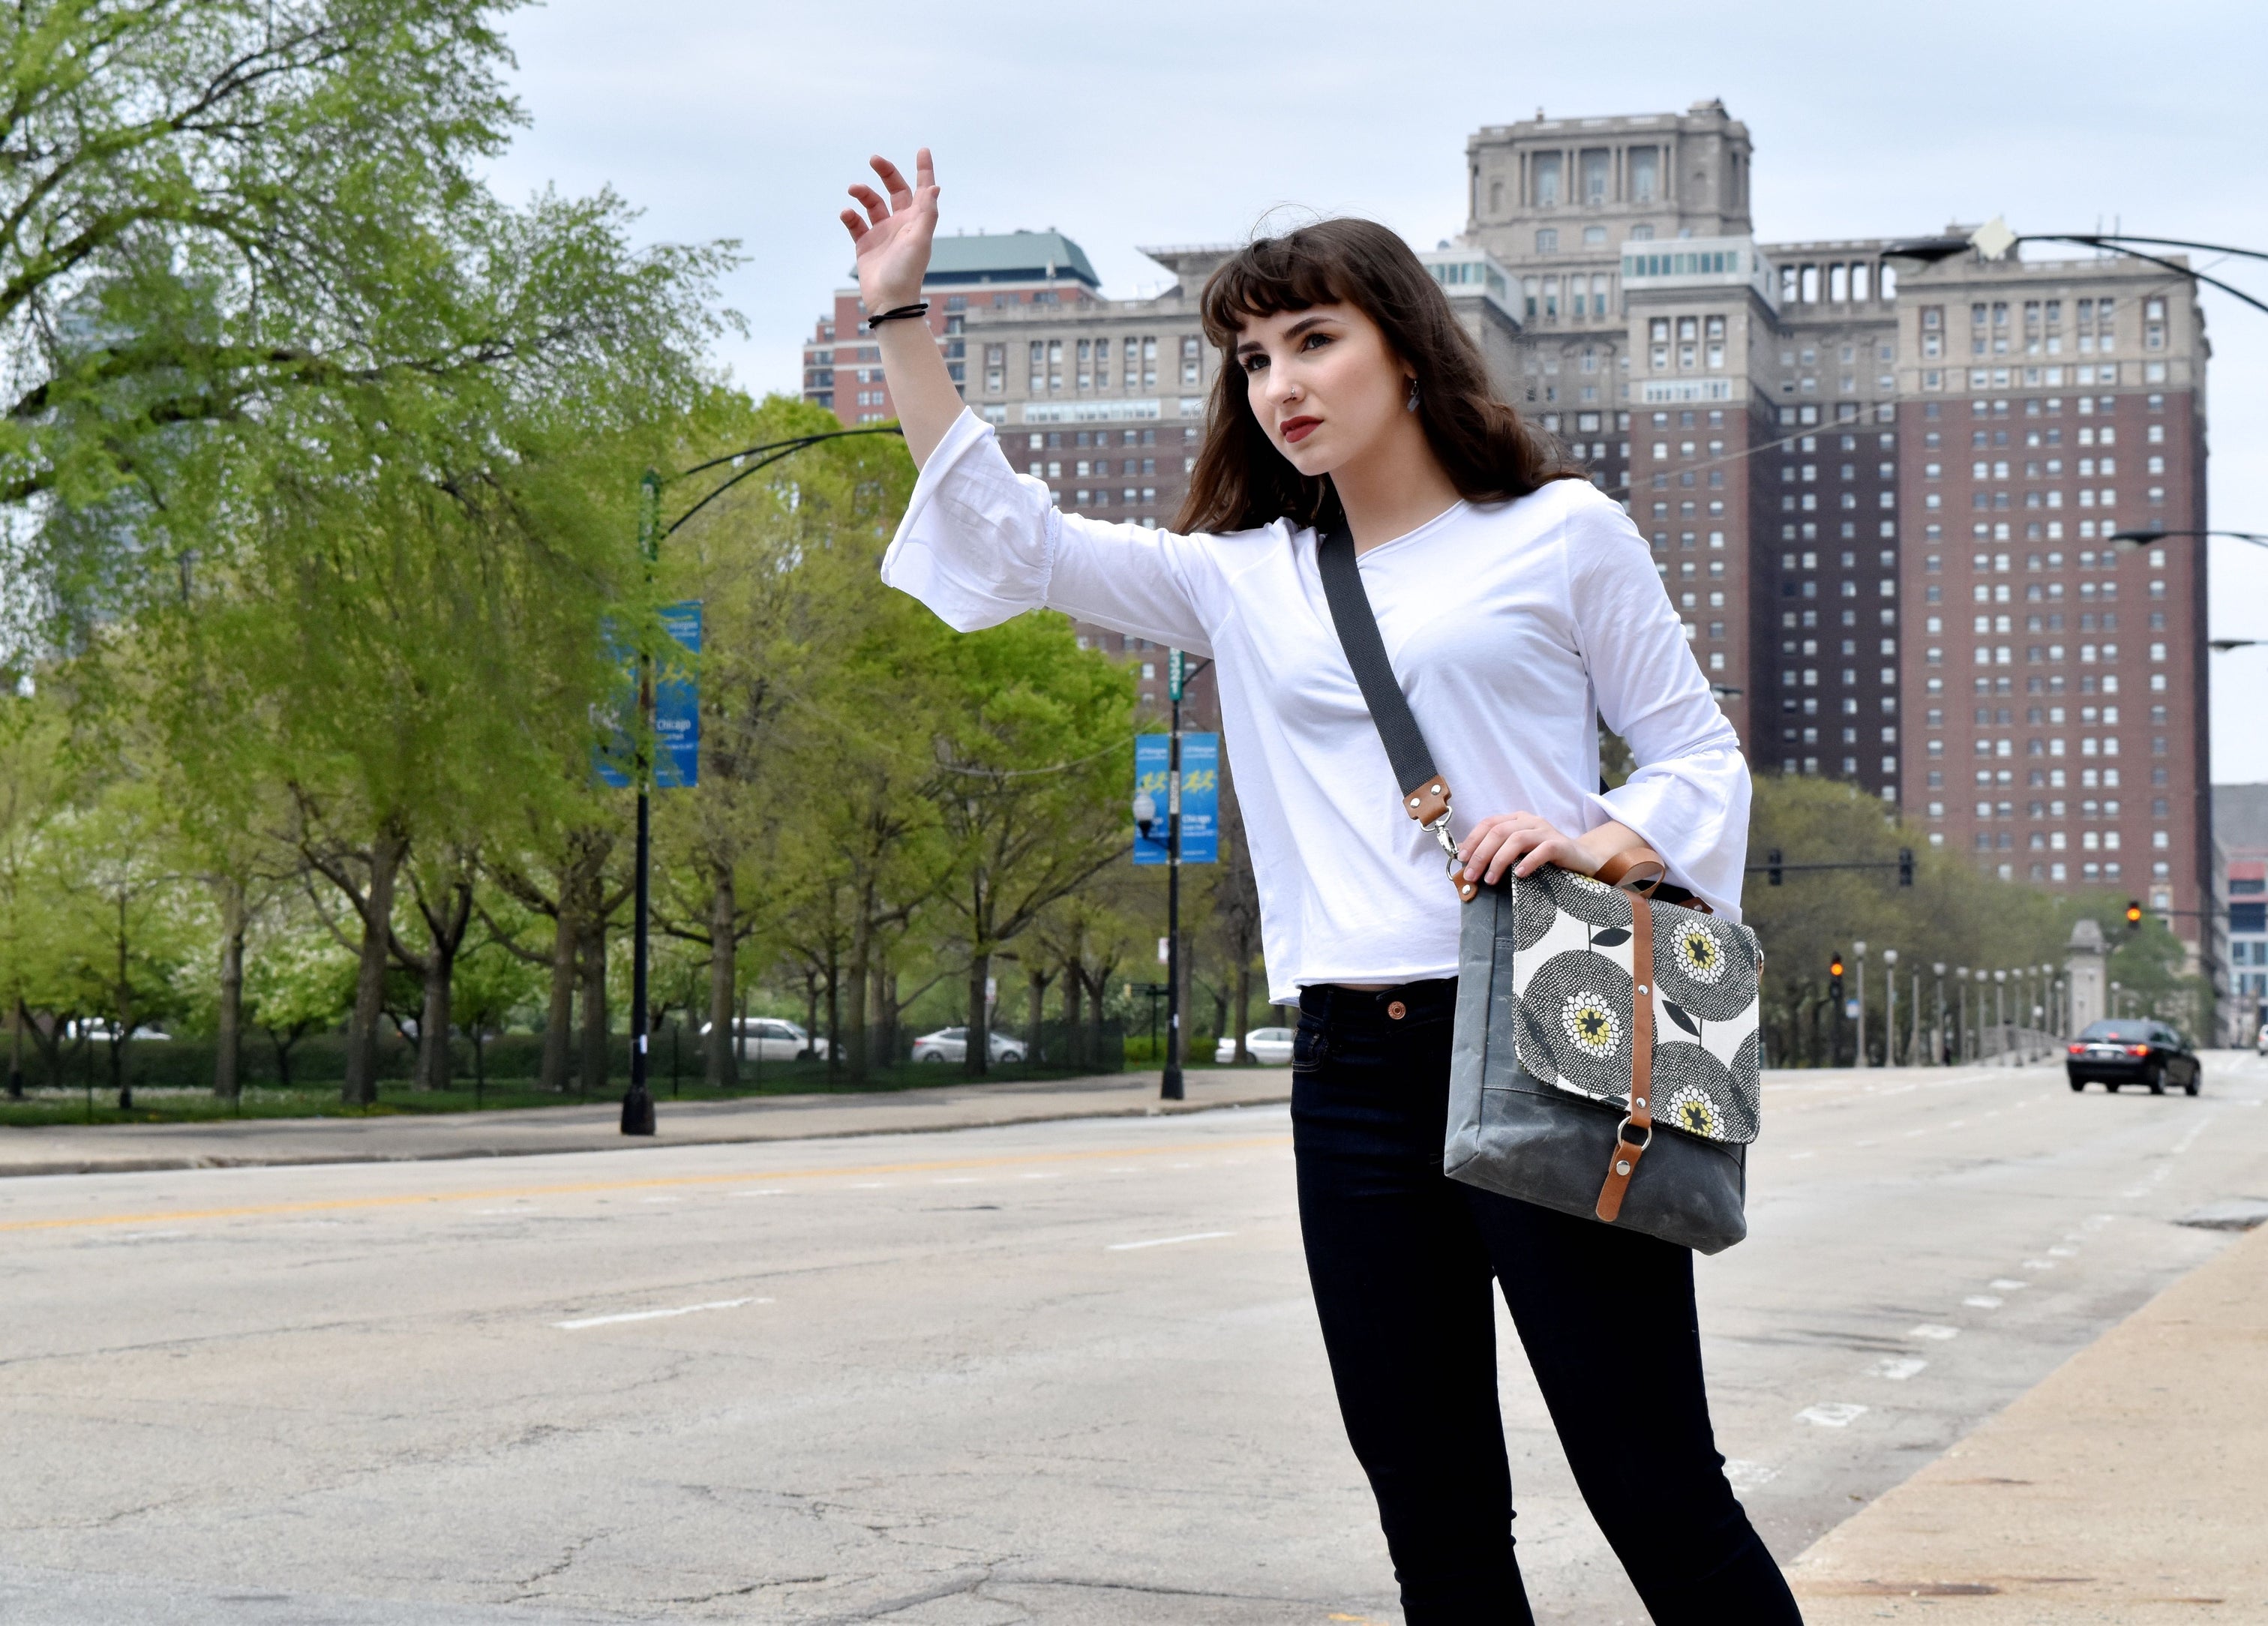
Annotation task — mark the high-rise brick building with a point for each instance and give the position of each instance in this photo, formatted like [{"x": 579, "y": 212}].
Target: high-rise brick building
[{"x": 1884, "y": 507}]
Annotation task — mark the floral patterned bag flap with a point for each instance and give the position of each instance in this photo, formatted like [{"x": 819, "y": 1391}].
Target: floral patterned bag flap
[{"x": 1572, "y": 980}]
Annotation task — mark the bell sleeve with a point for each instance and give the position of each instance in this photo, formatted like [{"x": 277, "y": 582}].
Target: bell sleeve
[
  {"x": 1689, "y": 796},
  {"x": 981, "y": 543}
]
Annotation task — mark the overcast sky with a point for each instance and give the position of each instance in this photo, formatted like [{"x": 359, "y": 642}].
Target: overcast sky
[{"x": 1173, "y": 122}]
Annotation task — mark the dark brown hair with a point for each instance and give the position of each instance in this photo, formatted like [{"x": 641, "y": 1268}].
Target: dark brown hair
[{"x": 1242, "y": 481}]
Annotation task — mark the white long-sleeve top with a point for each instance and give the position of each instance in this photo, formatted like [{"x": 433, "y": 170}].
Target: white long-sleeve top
[{"x": 1513, "y": 627}]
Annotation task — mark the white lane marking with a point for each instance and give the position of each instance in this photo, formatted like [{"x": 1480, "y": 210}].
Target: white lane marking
[
  {"x": 868, "y": 1185},
  {"x": 661, "y": 1199},
  {"x": 149, "y": 1236},
  {"x": 1798, "y": 1157},
  {"x": 1833, "y": 1414},
  {"x": 503, "y": 1210},
  {"x": 654, "y": 1315},
  {"x": 2039, "y": 1264},
  {"x": 1898, "y": 1368},
  {"x": 1043, "y": 1177},
  {"x": 1983, "y": 1301},
  {"x": 1745, "y": 1475},
  {"x": 958, "y": 1179},
  {"x": 1122, "y": 1170},
  {"x": 1865, "y": 1143},
  {"x": 2063, "y": 1253},
  {"x": 1166, "y": 1241},
  {"x": 1932, "y": 1331},
  {"x": 767, "y": 1191}
]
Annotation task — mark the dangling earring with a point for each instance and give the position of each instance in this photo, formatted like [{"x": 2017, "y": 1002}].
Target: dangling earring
[{"x": 1410, "y": 405}]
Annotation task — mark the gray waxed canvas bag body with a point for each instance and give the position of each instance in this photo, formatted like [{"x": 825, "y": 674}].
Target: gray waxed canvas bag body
[{"x": 1563, "y": 983}]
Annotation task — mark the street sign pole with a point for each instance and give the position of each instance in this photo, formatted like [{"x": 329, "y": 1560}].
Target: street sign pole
[{"x": 1169, "y": 1085}]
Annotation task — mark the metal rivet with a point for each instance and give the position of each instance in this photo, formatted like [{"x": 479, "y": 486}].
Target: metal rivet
[
  {"x": 1643, "y": 989},
  {"x": 1641, "y": 1100},
  {"x": 1621, "y": 1168},
  {"x": 1413, "y": 801}
]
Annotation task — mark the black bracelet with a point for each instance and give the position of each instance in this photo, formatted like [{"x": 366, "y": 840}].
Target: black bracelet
[{"x": 920, "y": 307}]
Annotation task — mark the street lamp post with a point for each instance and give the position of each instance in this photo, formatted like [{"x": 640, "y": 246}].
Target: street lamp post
[
  {"x": 1859, "y": 953},
  {"x": 637, "y": 1100},
  {"x": 1890, "y": 1005},
  {"x": 1982, "y": 978},
  {"x": 1993, "y": 241},
  {"x": 2000, "y": 1008},
  {"x": 1941, "y": 1048},
  {"x": 1178, "y": 674}
]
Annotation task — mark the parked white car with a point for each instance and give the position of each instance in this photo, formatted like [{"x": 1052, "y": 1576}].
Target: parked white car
[
  {"x": 770, "y": 1039},
  {"x": 951, "y": 1044},
  {"x": 1272, "y": 1046}
]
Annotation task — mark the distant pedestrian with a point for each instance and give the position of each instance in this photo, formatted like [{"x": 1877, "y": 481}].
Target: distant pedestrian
[{"x": 1520, "y": 608}]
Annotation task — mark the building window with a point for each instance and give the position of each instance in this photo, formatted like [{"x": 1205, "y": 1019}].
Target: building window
[
  {"x": 1547, "y": 179},
  {"x": 1644, "y": 178},
  {"x": 1547, "y": 241},
  {"x": 1596, "y": 164}
]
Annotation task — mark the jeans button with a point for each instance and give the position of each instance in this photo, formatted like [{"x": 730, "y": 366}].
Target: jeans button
[{"x": 1397, "y": 1010}]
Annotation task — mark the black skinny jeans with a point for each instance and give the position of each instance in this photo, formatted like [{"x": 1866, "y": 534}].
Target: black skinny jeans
[{"x": 1401, "y": 1257}]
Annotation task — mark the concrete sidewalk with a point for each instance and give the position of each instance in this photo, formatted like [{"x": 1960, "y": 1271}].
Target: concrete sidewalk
[
  {"x": 129, "y": 1147},
  {"x": 2130, "y": 1486}
]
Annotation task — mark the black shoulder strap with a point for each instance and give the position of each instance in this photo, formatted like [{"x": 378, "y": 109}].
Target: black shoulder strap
[{"x": 1365, "y": 652}]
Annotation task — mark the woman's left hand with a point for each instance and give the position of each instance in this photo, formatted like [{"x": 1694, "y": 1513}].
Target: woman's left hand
[{"x": 1523, "y": 843}]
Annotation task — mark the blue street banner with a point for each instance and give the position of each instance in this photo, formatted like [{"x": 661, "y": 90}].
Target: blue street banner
[
  {"x": 676, "y": 706},
  {"x": 1200, "y": 796}
]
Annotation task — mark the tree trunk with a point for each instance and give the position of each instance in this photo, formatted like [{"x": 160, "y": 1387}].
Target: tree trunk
[
  {"x": 833, "y": 1011},
  {"x": 723, "y": 1065},
  {"x": 1243, "y": 1010},
  {"x": 16, "y": 1052},
  {"x": 1074, "y": 985},
  {"x": 1036, "y": 980},
  {"x": 228, "y": 1029},
  {"x": 559, "y": 1020},
  {"x": 593, "y": 936},
  {"x": 885, "y": 1007},
  {"x": 434, "y": 1018},
  {"x": 386, "y": 853},
  {"x": 810, "y": 1005},
  {"x": 124, "y": 1031},
  {"x": 862, "y": 953},
  {"x": 1096, "y": 995},
  {"x": 979, "y": 1055}
]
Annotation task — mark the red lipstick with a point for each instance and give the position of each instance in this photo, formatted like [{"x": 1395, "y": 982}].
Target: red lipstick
[{"x": 1297, "y": 429}]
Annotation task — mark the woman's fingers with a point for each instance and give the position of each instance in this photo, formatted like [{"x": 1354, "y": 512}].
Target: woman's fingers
[
  {"x": 855, "y": 223},
  {"x": 901, "y": 195},
  {"x": 924, "y": 171},
  {"x": 877, "y": 210}
]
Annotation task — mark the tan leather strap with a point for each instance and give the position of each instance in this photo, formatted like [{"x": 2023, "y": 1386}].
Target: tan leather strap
[
  {"x": 1615, "y": 871},
  {"x": 1428, "y": 800},
  {"x": 1624, "y": 1162}
]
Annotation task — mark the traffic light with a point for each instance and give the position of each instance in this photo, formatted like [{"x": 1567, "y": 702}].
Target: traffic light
[
  {"x": 1834, "y": 980},
  {"x": 1772, "y": 867},
  {"x": 2134, "y": 914},
  {"x": 1905, "y": 866}
]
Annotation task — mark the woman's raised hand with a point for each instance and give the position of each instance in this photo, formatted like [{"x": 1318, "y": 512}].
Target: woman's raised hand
[{"x": 893, "y": 237}]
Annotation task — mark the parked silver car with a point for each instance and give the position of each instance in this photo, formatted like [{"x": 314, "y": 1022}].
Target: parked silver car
[
  {"x": 951, "y": 1044},
  {"x": 770, "y": 1039},
  {"x": 1269, "y": 1046}
]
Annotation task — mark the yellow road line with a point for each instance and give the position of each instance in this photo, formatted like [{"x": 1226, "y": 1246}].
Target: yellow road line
[{"x": 491, "y": 1193}]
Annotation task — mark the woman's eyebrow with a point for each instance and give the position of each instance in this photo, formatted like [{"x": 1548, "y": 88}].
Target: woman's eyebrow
[{"x": 1311, "y": 320}]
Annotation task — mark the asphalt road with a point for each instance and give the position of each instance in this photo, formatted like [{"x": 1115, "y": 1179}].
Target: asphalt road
[{"x": 1061, "y": 1372}]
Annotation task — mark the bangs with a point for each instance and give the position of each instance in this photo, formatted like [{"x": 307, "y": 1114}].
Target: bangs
[{"x": 1275, "y": 274}]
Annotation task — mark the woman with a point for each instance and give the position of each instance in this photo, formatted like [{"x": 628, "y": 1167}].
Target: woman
[{"x": 1518, "y": 605}]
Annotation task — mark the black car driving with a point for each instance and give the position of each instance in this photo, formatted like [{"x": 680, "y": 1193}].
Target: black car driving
[{"x": 2135, "y": 1051}]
